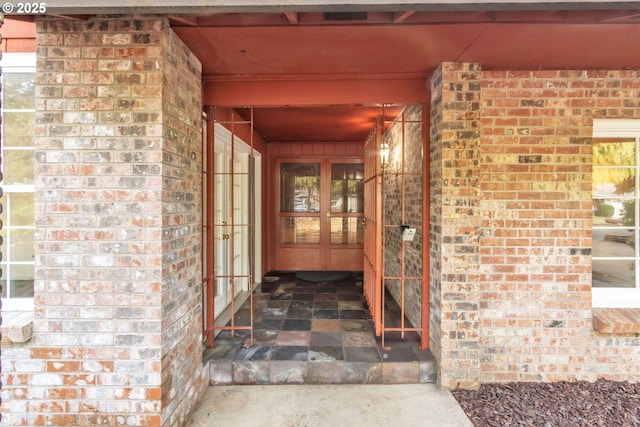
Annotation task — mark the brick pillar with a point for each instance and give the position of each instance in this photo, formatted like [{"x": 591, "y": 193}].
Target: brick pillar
[
  {"x": 455, "y": 223},
  {"x": 117, "y": 327}
]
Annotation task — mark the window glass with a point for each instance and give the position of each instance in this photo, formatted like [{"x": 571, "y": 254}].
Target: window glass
[
  {"x": 18, "y": 131},
  {"x": 18, "y": 88},
  {"x": 22, "y": 210},
  {"x": 17, "y": 167},
  {"x": 615, "y": 199}
]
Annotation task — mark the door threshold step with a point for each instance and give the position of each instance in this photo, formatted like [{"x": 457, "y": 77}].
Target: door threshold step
[{"x": 243, "y": 372}]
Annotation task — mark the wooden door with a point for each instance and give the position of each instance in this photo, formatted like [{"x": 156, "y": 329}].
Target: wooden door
[{"x": 319, "y": 215}]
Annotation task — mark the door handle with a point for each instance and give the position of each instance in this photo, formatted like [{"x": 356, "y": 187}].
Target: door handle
[{"x": 328, "y": 214}]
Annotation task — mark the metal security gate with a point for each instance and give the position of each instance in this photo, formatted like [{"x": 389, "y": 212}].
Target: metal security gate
[
  {"x": 378, "y": 176},
  {"x": 229, "y": 176},
  {"x": 373, "y": 226}
]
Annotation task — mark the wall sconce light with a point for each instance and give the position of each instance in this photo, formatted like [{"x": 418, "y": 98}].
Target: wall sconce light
[{"x": 384, "y": 154}]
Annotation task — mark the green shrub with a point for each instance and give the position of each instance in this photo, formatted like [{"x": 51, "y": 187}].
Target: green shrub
[{"x": 604, "y": 210}]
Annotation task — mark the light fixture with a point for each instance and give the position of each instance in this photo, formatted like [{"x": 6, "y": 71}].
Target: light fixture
[{"x": 384, "y": 154}]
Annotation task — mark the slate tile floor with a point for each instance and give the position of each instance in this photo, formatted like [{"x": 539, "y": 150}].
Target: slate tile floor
[{"x": 316, "y": 333}]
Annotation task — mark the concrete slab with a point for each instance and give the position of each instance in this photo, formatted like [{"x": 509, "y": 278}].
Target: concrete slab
[{"x": 329, "y": 405}]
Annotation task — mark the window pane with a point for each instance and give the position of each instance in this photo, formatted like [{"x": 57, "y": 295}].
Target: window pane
[
  {"x": 17, "y": 129},
  {"x": 613, "y": 243},
  {"x": 18, "y": 167},
  {"x": 612, "y": 212},
  {"x": 613, "y": 274},
  {"x": 613, "y": 182},
  {"x": 347, "y": 188},
  {"x": 21, "y": 245},
  {"x": 347, "y": 231},
  {"x": 18, "y": 90},
  {"x": 614, "y": 153},
  {"x": 300, "y": 230},
  {"x": 20, "y": 279},
  {"x": 300, "y": 187},
  {"x": 22, "y": 209}
]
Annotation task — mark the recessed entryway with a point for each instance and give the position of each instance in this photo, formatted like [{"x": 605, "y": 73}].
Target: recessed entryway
[{"x": 316, "y": 333}]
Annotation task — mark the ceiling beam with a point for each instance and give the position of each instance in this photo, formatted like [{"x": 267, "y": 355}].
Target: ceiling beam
[
  {"x": 183, "y": 19},
  {"x": 292, "y": 17},
  {"x": 622, "y": 17},
  {"x": 402, "y": 16},
  {"x": 313, "y": 92},
  {"x": 200, "y": 7}
]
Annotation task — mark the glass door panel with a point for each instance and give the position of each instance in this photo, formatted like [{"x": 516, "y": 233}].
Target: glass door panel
[
  {"x": 300, "y": 187},
  {"x": 221, "y": 193},
  {"x": 347, "y": 231},
  {"x": 347, "y": 203},
  {"x": 347, "y": 188},
  {"x": 299, "y": 230}
]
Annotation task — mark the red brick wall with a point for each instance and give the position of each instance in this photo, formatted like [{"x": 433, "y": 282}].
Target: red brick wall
[
  {"x": 117, "y": 329},
  {"x": 535, "y": 164},
  {"x": 532, "y": 294},
  {"x": 455, "y": 223}
]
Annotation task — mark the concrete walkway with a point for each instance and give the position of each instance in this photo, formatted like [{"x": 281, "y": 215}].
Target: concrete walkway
[{"x": 328, "y": 405}]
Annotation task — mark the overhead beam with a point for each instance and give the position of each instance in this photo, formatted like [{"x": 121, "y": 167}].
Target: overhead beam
[
  {"x": 314, "y": 92},
  {"x": 187, "y": 20},
  {"x": 622, "y": 17},
  {"x": 198, "y": 7},
  {"x": 402, "y": 16},
  {"x": 292, "y": 17}
]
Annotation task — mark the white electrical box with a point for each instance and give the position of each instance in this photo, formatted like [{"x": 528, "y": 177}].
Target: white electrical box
[{"x": 408, "y": 234}]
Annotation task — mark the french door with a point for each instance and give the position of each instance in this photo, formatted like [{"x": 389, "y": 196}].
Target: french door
[
  {"x": 231, "y": 171},
  {"x": 319, "y": 219}
]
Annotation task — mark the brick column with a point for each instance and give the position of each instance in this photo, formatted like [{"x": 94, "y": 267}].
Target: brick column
[
  {"x": 455, "y": 223},
  {"x": 118, "y": 285}
]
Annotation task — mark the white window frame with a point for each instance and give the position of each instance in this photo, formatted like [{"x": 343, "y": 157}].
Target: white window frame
[
  {"x": 23, "y": 62},
  {"x": 619, "y": 297}
]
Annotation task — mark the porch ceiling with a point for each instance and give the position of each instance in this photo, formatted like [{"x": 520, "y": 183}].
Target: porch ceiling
[
  {"x": 313, "y": 76},
  {"x": 333, "y": 75}
]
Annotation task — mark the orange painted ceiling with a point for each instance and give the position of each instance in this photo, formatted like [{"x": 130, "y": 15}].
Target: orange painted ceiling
[
  {"x": 310, "y": 78},
  {"x": 316, "y": 77}
]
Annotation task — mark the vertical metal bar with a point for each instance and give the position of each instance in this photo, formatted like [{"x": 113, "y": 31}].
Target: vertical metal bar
[
  {"x": 382, "y": 240},
  {"x": 402, "y": 221},
  {"x": 379, "y": 247},
  {"x": 426, "y": 226},
  {"x": 232, "y": 221},
  {"x": 210, "y": 231},
  {"x": 252, "y": 221}
]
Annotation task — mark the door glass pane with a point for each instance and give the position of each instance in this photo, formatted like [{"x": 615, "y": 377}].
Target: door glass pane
[
  {"x": 347, "y": 188},
  {"x": 347, "y": 231},
  {"x": 300, "y": 187},
  {"x": 300, "y": 230}
]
